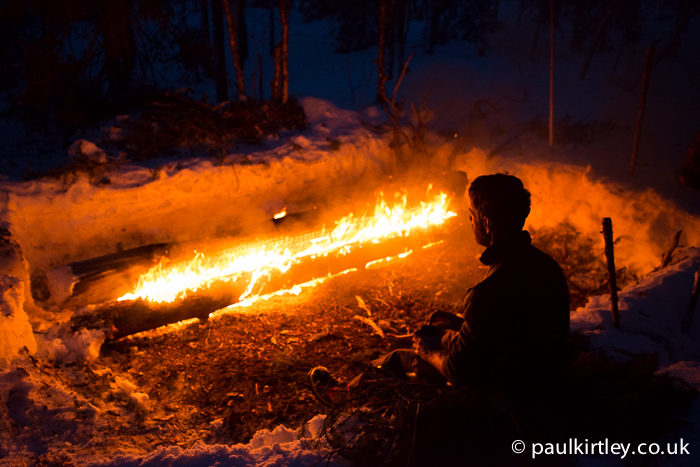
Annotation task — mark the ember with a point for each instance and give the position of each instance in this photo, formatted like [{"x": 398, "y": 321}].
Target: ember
[
  {"x": 281, "y": 214},
  {"x": 253, "y": 262}
]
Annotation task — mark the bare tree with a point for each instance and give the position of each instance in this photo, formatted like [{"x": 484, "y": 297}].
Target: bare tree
[
  {"x": 381, "y": 50},
  {"x": 233, "y": 41},
  {"x": 284, "y": 53},
  {"x": 119, "y": 43}
]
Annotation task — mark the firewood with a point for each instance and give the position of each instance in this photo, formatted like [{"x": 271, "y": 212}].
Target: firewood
[{"x": 101, "y": 279}]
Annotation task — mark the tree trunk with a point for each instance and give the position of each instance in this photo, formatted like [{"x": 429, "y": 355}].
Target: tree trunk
[
  {"x": 434, "y": 25},
  {"x": 381, "y": 49},
  {"x": 600, "y": 35},
  {"x": 232, "y": 36},
  {"x": 206, "y": 37},
  {"x": 275, "y": 85},
  {"x": 284, "y": 52},
  {"x": 390, "y": 39},
  {"x": 272, "y": 27},
  {"x": 648, "y": 61},
  {"x": 242, "y": 30},
  {"x": 578, "y": 36},
  {"x": 551, "y": 73},
  {"x": 119, "y": 44},
  {"x": 218, "y": 41},
  {"x": 401, "y": 30}
]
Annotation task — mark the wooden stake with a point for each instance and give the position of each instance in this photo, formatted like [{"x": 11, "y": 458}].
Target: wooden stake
[
  {"x": 612, "y": 278},
  {"x": 648, "y": 61}
]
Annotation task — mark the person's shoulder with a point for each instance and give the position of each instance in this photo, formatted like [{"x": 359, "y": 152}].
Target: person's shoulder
[{"x": 542, "y": 260}]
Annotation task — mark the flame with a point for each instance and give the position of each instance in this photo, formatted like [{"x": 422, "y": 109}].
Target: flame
[{"x": 168, "y": 282}]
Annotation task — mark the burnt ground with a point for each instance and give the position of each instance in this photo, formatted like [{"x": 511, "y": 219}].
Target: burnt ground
[{"x": 224, "y": 379}]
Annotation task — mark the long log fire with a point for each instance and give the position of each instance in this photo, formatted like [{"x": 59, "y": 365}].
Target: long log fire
[{"x": 206, "y": 282}]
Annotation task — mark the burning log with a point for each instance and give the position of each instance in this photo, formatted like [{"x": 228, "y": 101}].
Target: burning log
[
  {"x": 101, "y": 279},
  {"x": 123, "y": 318},
  {"x": 241, "y": 273}
]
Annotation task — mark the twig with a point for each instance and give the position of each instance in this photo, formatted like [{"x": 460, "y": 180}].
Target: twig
[
  {"x": 372, "y": 324},
  {"x": 666, "y": 258},
  {"x": 688, "y": 320},
  {"x": 415, "y": 430}
]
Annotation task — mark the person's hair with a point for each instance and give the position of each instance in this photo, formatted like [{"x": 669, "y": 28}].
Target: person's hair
[{"x": 502, "y": 198}]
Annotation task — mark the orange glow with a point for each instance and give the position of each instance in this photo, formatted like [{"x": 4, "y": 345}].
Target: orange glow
[
  {"x": 253, "y": 262},
  {"x": 281, "y": 214}
]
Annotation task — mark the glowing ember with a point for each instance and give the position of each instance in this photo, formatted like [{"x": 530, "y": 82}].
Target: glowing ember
[
  {"x": 168, "y": 282},
  {"x": 281, "y": 214}
]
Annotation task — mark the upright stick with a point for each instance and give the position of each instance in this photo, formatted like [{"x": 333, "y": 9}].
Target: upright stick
[{"x": 612, "y": 278}]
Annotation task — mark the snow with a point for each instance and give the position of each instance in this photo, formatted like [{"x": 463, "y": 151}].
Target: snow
[
  {"x": 191, "y": 201},
  {"x": 60, "y": 344},
  {"x": 281, "y": 447},
  {"x": 651, "y": 313},
  {"x": 15, "y": 331}
]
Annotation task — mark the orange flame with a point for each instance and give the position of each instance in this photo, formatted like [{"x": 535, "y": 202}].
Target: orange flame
[
  {"x": 166, "y": 283},
  {"x": 281, "y": 214}
]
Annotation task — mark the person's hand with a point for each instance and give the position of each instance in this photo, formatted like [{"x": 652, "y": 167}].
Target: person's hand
[
  {"x": 445, "y": 320},
  {"x": 427, "y": 340}
]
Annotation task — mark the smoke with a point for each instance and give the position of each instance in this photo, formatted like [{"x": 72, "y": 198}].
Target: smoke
[{"x": 644, "y": 223}]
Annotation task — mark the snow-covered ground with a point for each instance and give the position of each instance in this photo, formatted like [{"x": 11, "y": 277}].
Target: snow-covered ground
[{"x": 54, "y": 222}]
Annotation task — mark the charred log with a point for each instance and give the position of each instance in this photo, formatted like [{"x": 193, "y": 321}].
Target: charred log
[
  {"x": 102, "y": 279},
  {"x": 128, "y": 317}
]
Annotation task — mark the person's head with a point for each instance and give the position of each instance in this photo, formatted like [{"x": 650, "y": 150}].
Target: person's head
[{"x": 499, "y": 206}]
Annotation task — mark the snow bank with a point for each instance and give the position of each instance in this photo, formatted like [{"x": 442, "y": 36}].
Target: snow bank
[
  {"x": 60, "y": 221},
  {"x": 15, "y": 331},
  {"x": 278, "y": 448}
]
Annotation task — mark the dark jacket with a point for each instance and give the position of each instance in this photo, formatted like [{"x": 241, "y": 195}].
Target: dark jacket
[{"x": 516, "y": 321}]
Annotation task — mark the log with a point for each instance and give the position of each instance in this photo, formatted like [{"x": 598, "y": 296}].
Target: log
[
  {"x": 612, "y": 277},
  {"x": 104, "y": 278},
  {"x": 128, "y": 317}
]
